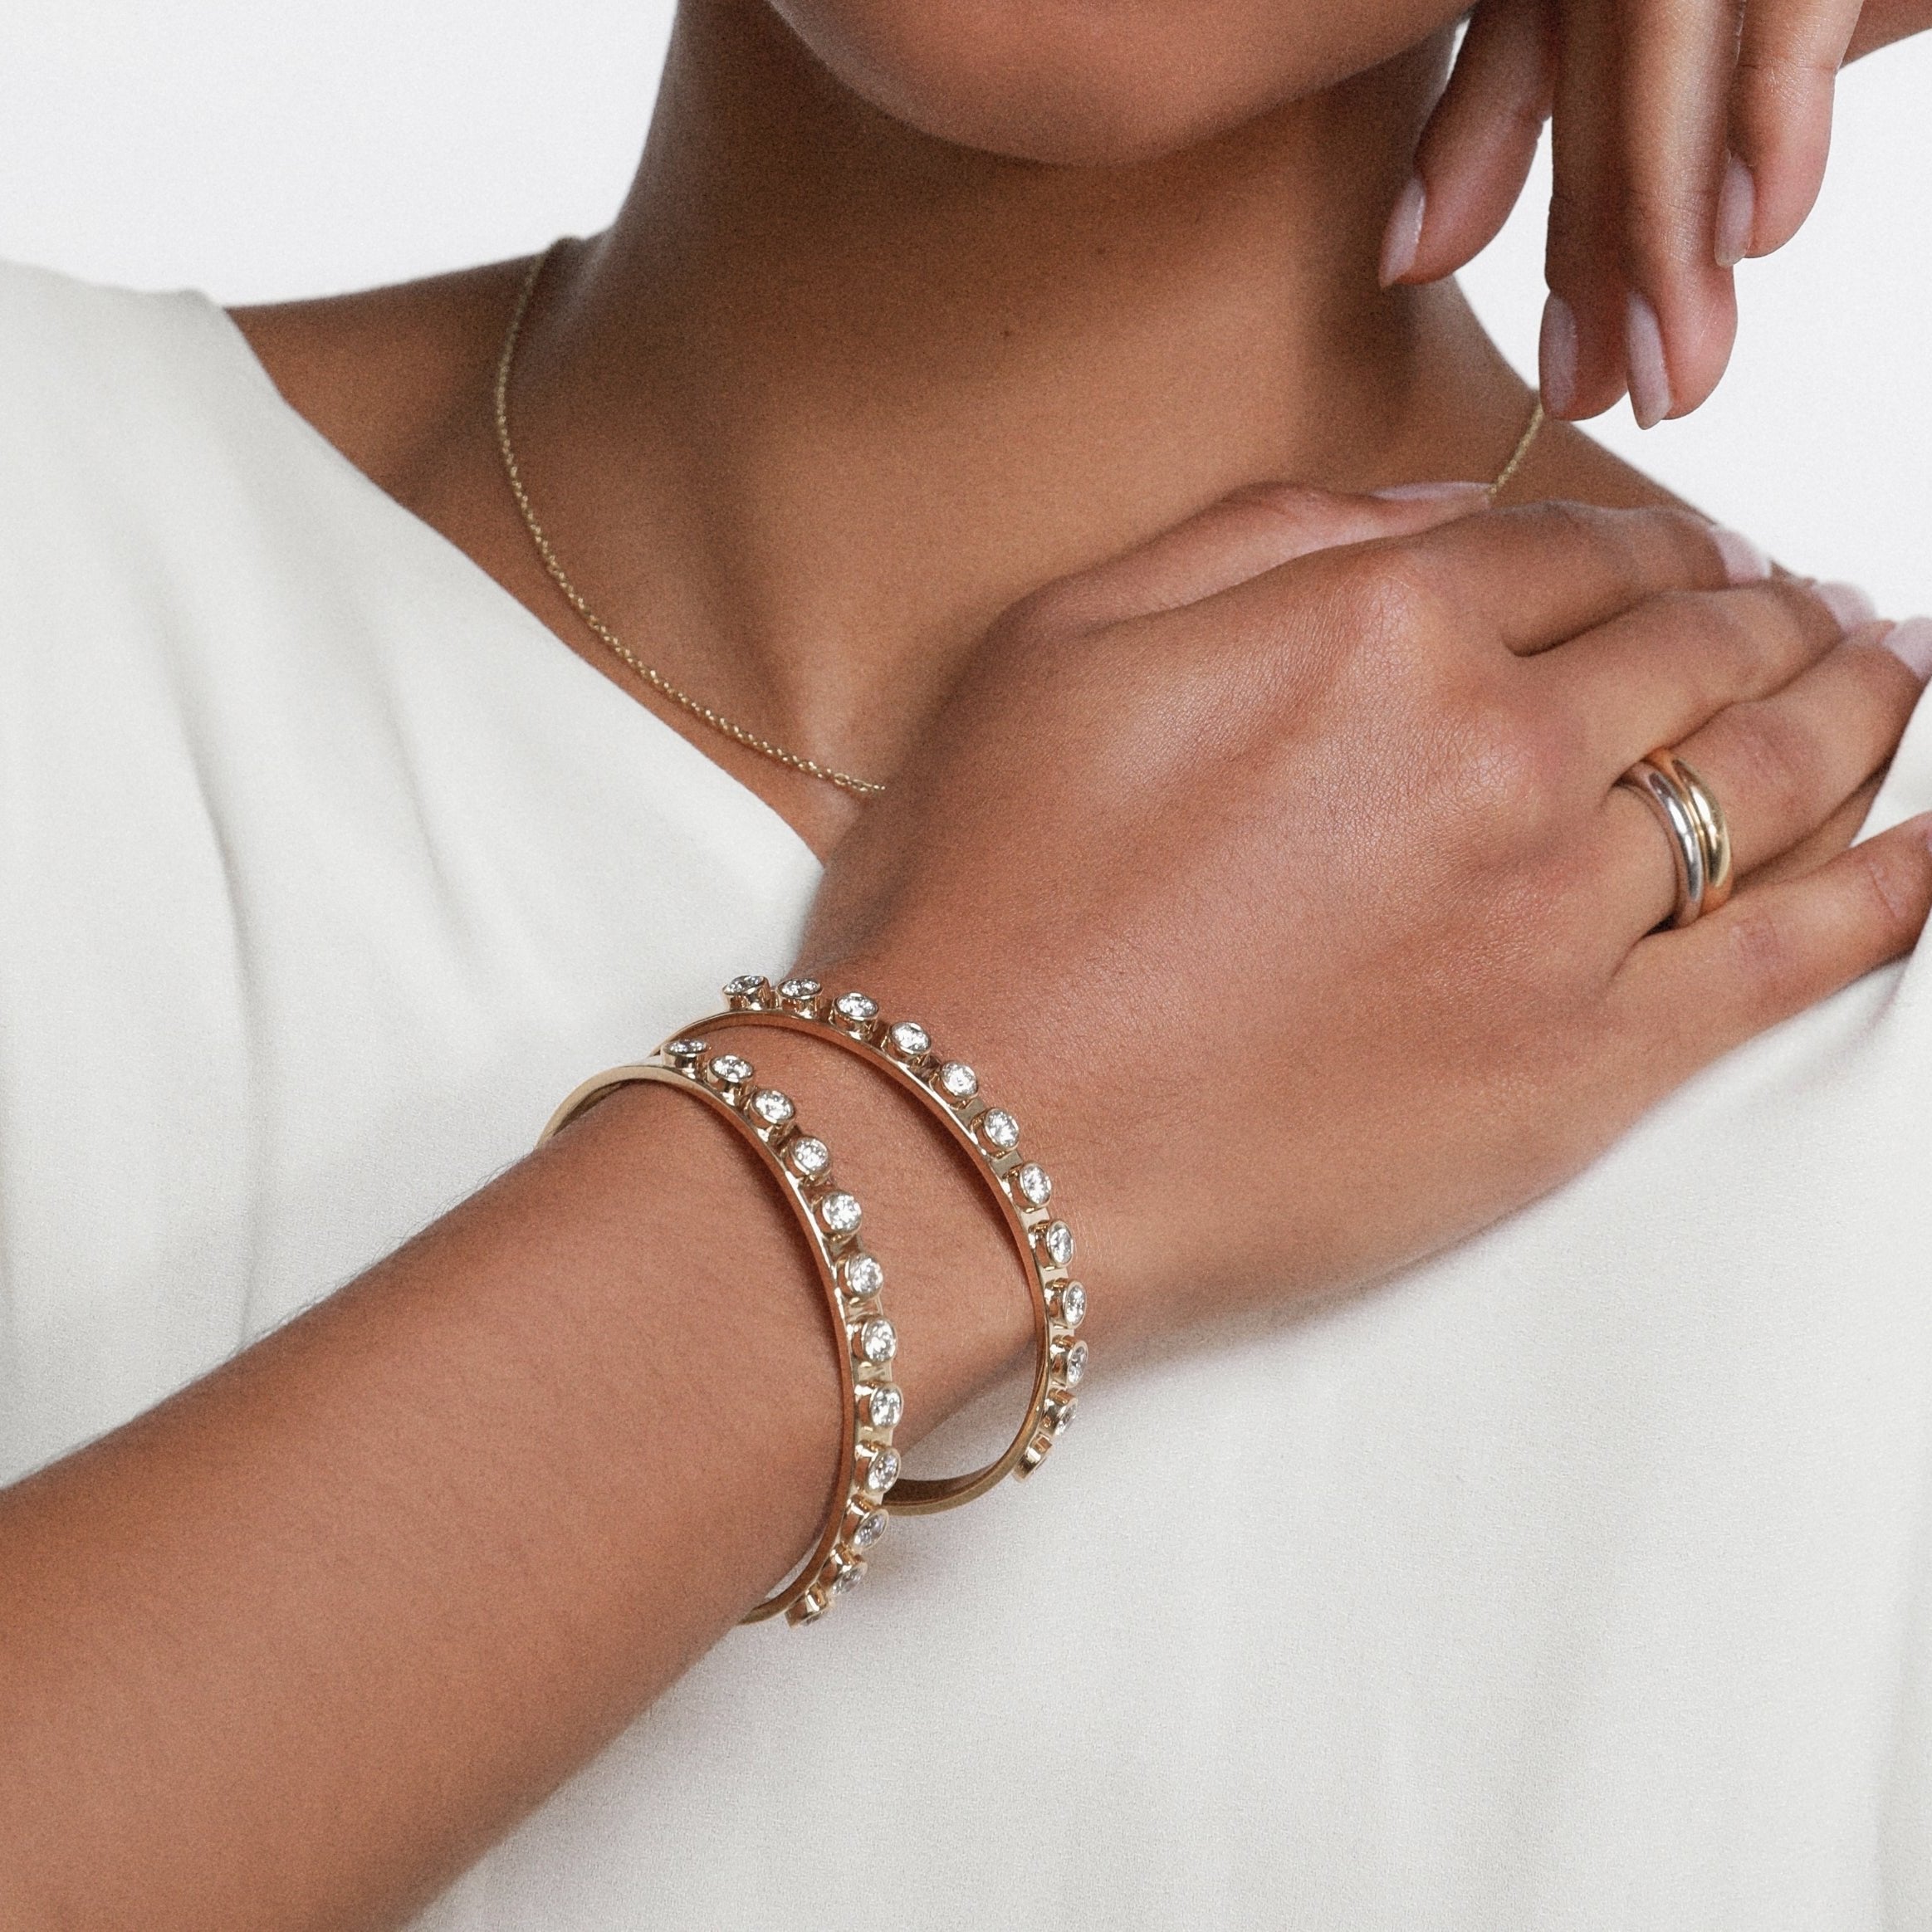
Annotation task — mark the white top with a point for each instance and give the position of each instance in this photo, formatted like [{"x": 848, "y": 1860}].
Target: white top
[{"x": 1583, "y": 1579}]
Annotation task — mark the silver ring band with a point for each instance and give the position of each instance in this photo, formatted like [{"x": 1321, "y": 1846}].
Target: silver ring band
[{"x": 1674, "y": 812}]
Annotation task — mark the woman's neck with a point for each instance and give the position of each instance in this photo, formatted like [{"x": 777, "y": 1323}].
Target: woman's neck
[{"x": 829, "y": 395}]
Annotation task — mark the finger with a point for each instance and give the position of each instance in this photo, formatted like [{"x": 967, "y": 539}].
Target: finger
[
  {"x": 1682, "y": 998},
  {"x": 1241, "y": 536},
  {"x": 1823, "y": 845},
  {"x": 1546, "y": 572},
  {"x": 1662, "y": 670},
  {"x": 1680, "y": 310},
  {"x": 1885, "y": 21},
  {"x": 1780, "y": 767},
  {"x": 1581, "y": 350},
  {"x": 1476, "y": 150},
  {"x": 1788, "y": 56}
]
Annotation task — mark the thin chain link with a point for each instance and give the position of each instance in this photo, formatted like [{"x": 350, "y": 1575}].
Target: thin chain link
[
  {"x": 863, "y": 788},
  {"x": 1506, "y": 475}
]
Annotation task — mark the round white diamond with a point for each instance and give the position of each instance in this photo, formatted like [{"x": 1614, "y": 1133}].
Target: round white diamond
[
  {"x": 1032, "y": 1181},
  {"x": 1058, "y": 1240},
  {"x": 1058, "y": 1415},
  {"x": 1076, "y": 1364},
  {"x": 728, "y": 1070},
  {"x": 839, "y": 1212},
  {"x": 799, "y": 989},
  {"x": 884, "y": 1471},
  {"x": 843, "y": 1578},
  {"x": 1001, "y": 1128},
  {"x": 745, "y": 987},
  {"x": 912, "y": 1039},
  {"x": 863, "y": 1277},
  {"x": 771, "y": 1106},
  {"x": 868, "y": 1529},
  {"x": 1073, "y": 1304},
  {"x": 811, "y": 1157},
  {"x": 885, "y": 1406},
  {"x": 958, "y": 1080},
  {"x": 685, "y": 1049},
  {"x": 876, "y": 1341},
  {"x": 858, "y": 1005}
]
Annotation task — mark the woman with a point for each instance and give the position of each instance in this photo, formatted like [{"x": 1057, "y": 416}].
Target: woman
[{"x": 1280, "y": 876}]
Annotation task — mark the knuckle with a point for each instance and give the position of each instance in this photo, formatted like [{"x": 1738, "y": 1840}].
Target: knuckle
[
  {"x": 1780, "y": 765},
  {"x": 1892, "y": 882},
  {"x": 1396, "y": 595},
  {"x": 1760, "y": 953},
  {"x": 1512, "y": 768}
]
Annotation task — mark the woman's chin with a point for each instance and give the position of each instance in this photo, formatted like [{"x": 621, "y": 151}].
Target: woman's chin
[{"x": 1068, "y": 86}]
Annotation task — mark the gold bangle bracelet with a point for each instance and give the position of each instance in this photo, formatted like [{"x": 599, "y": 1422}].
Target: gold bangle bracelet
[
  {"x": 1044, "y": 1244},
  {"x": 850, "y": 1278}
]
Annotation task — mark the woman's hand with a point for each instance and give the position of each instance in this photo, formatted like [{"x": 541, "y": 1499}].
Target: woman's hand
[
  {"x": 1688, "y": 136},
  {"x": 1296, "y": 909}
]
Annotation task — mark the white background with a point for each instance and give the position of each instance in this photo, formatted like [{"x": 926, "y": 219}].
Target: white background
[{"x": 265, "y": 150}]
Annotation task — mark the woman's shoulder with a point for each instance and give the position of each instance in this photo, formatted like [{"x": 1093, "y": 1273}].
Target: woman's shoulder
[{"x": 383, "y": 372}]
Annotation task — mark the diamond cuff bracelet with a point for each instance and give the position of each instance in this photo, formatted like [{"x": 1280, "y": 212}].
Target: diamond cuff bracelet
[
  {"x": 1020, "y": 1186},
  {"x": 850, "y": 1278}
]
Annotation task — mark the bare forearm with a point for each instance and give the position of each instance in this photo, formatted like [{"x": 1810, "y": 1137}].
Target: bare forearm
[{"x": 294, "y": 1647}]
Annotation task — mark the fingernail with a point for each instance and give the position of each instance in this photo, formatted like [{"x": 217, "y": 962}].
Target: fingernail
[
  {"x": 1744, "y": 562},
  {"x": 1912, "y": 644},
  {"x": 1650, "y": 376},
  {"x": 1848, "y": 604},
  {"x": 1429, "y": 493},
  {"x": 1556, "y": 356},
  {"x": 1403, "y": 238},
  {"x": 1737, "y": 208}
]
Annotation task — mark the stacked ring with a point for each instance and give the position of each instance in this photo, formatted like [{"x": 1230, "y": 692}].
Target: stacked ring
[{"x": 1694, "y": 823}]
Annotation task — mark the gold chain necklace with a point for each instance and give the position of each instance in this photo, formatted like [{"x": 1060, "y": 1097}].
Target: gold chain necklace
[{"x": 863, "y": 788}]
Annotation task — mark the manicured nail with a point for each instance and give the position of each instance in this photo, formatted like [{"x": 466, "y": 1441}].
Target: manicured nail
[
  {"x": 1403, "y": 236},
  {"x": 1737, "y": 209},
  {"x": 1429, "y": 493},
  {"x": 1912, "y": 644},
  {"x": 1650, "y": 376},
  {"x": 1556, "y": 356},
  {"x": 1744, "y": 562},
  {"x": 1848, "y": 604}
]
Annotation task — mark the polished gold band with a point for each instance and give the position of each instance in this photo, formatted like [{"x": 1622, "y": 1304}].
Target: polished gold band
[
  {"x": 851, "y": 1280},
  {"x": 1021, "y": 1188}
]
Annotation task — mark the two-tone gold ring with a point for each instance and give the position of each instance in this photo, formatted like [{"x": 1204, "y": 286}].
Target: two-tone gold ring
[{"x": 1693, "y": 822}]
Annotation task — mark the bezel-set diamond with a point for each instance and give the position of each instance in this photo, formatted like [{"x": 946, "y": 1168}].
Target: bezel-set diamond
[
  {"x": 878, "y": 1342},
  {"x": 809, "y": 1156},
  {"x": 883, "y": 1470},
  {"x": 857, "y": 1010},
  {"x": 747, "y": 986},
  {"x": 1075, "y": 1368},
  {"x": 957, "y": 1081},
  {"x": 728, "y": 1070},
  {"x": 868, "y": 1529},
  {"x": 998, "y": 1129},
  {"x": 775, "y": 1109},
  {"x": 1056, "y": 1239},
  {"x": 910, "y": 1040},
  {"x": 1033, "y": 1184},
  {"x": 1070, "y": 1304},
  {"x": 841, "y": 1213},
  {"x": 683, "y": 1050},
  {"x": 863, "y": 1277},
  {"x": 884, "y": 1404}
]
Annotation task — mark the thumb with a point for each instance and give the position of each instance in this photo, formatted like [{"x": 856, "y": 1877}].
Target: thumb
[{"x": 1255, "y": 530}]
